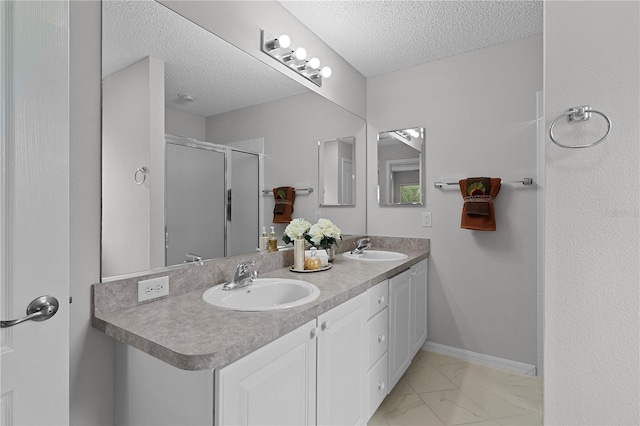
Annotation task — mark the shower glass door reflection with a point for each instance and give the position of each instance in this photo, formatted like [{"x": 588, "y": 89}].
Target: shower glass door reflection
[
  {"x": 195, "y": 214},
  {"x": 212, "y": 200}
]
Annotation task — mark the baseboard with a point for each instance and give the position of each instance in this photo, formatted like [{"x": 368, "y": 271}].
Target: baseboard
[{"x": 482, "y": 359}]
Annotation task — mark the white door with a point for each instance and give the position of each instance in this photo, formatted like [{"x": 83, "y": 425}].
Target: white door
[{"x": 34, "y": 193}]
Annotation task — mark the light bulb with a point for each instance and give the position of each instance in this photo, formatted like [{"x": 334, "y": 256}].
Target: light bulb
[
  {"x": 325, "y": 72},
  {"x": 314, "y": 63},
  {"x": 301, "y": 53},
  {"x": 284, "y": 41}
]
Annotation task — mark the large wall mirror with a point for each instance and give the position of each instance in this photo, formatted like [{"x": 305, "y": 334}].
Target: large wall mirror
[
  {"x": 336, "y": 166},
  {"x": 196, "y": 132},
  {"x": 401, "y": 167}
]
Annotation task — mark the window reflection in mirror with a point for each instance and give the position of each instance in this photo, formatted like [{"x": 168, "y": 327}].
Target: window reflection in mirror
[
  {"x": 401, "y": 167},
  {"x": 336, "y": 167}
]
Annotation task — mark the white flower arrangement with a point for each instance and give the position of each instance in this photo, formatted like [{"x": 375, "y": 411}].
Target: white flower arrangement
[
  {"x": 294, "y": 228},
  {"x": 323, "y": 234}
]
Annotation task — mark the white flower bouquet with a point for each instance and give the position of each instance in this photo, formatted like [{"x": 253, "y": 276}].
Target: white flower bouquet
[
  {"x": 294, "y": 228},
  {"x": 323, "y": 234}
]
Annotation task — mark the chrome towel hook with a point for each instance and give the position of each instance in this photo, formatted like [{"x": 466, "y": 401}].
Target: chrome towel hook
[
  {"x": 581, "y": 113},
  {"x": 136, "y": 179}
]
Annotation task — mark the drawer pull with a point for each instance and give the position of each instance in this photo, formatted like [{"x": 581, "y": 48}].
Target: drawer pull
[
  {"x": 381, "y": 338},
  {"x": 326, "y": 325},
  {"x": 380, "y": 300},
  {"x": 381, "y": 386}
]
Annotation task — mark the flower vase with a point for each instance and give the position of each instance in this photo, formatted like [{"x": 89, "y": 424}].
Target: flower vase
[{"x": 331, "y": 252}]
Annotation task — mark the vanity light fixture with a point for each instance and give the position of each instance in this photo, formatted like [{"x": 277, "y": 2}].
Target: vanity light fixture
[{"x": 279, "y": 49}]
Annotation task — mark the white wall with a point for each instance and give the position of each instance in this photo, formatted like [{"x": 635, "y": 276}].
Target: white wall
[
  {"x": 240, "y": 22},
  {"x": 295, "y": 125},
  {"x": 592, "y": 230},
  {"x": 180, "y": 123},
  {"x": 133, "y": 137},
  {"x": 91, "y": 352},
  {"x": 479, "y": 112}
]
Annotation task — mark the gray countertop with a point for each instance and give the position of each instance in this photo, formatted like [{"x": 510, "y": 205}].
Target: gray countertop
[{"x": 190, "y": 334}]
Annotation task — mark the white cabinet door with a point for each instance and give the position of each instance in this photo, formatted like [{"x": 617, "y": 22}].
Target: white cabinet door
[
  {"x": 342, "y": 359},
  {"x": 275, "y": 385},
  {"x": 400, "y": 320},
  {"x": 419, "y": 307}
]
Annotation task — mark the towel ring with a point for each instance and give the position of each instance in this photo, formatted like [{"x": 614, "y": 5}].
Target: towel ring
[
  {"x": 582, "y": 113},
  {"x": 142, "y": 170}
]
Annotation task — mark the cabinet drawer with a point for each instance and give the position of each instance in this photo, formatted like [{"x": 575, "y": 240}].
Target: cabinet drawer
[
  {"x": 377, "y": 384},
  {"x": 378, "y": 336},
  {"x": 378, "y": 298}
]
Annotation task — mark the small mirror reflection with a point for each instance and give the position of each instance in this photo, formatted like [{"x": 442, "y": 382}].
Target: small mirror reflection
[
  {"x": 401, "y": 167},
  {"x": 336, "y": 166}
]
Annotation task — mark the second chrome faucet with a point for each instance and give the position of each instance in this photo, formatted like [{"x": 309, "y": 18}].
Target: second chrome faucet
[{"x": 243, "y": 276}]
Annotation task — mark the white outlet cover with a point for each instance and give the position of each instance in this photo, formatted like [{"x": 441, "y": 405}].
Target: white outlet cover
[
  {"x": 153, "y": 288},
  {"x": 426, "y": 219}
]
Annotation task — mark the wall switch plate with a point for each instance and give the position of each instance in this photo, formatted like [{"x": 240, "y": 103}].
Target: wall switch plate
[
  {"x": 426, "y": 219},
  {"x": 153, "y": 288}
]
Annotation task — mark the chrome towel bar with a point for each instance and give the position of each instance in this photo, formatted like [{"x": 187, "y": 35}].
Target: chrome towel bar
[
  {"x": 440, "y": 185},
  {"x": 270, "y": 191}
]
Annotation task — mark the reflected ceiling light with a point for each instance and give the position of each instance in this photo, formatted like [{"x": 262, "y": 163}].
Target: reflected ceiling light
[
  {"x": 278, "y": 49},
  {"x": 186, "y": 98},
  {"x": 413, "y": 132}
]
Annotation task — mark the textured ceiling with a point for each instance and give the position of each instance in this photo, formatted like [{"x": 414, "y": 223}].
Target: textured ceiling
[
  {"x": 377, "y": 37},
  {"x": 220, "y": 76}
]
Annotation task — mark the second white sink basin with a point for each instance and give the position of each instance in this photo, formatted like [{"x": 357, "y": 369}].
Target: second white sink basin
[
  {"x": 265, "y": 294},
  {"x": 377, "y": 255}
]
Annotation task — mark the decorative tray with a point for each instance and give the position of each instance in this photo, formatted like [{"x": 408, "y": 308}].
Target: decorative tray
[{"x": 320, "y": 269}]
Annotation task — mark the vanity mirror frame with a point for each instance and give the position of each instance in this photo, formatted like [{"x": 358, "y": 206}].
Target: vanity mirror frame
[
  {"x": 385, "y": 171},
  {"x": 325, "y": 172}
]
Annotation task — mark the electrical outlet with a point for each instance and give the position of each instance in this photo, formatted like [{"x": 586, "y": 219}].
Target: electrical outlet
[
  {"x": 153, "y": 288},
  {"x": 426, "y": 219}
]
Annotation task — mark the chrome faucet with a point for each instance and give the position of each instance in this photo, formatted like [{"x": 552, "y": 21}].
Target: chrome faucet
[
  {"x": 193, "y": 258},
  {"x": 243, "y": 276},
  {"x": 361, "y": 245}
]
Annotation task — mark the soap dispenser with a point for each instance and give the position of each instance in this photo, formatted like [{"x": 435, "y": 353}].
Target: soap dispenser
[
  {"x": 264, "y": 240},
  {"x": 273, "y": 240}
]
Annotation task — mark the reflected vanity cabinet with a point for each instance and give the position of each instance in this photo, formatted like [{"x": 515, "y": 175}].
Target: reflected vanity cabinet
[{"x": 407, "y": 318}]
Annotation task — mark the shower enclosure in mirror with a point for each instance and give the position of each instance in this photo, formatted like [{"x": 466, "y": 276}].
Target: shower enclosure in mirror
[
  {"x": 336, "y": 167},
  {"x": 163, "y": 74},
  {"x": 401, "y": 167}
]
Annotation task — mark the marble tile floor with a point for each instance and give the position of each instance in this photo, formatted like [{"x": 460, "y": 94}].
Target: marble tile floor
[{"x": 441, "y": 390}]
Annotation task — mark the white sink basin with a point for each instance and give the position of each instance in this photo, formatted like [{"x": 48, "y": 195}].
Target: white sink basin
[
  {"x": 376, "y": 255},
  {"x": 265, "y": 294}
]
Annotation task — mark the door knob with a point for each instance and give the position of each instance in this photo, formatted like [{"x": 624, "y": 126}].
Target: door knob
[{"x": 40, "y": 309}]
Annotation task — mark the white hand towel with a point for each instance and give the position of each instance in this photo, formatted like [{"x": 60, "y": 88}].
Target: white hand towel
[{"x": 322, "y": 254}]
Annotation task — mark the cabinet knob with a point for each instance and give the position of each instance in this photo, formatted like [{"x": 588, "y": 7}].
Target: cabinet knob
[
  {"x": 380, "y": 300},
  {"x": 381, "y": 338},
  {"x": 381, "y": 386},
  {"x": 313, "y": 333},
  {"x": 326, "y": 325}
]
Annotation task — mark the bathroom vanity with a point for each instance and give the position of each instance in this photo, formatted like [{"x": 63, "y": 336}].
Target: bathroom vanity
[{"x": 330, "y": 361}]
